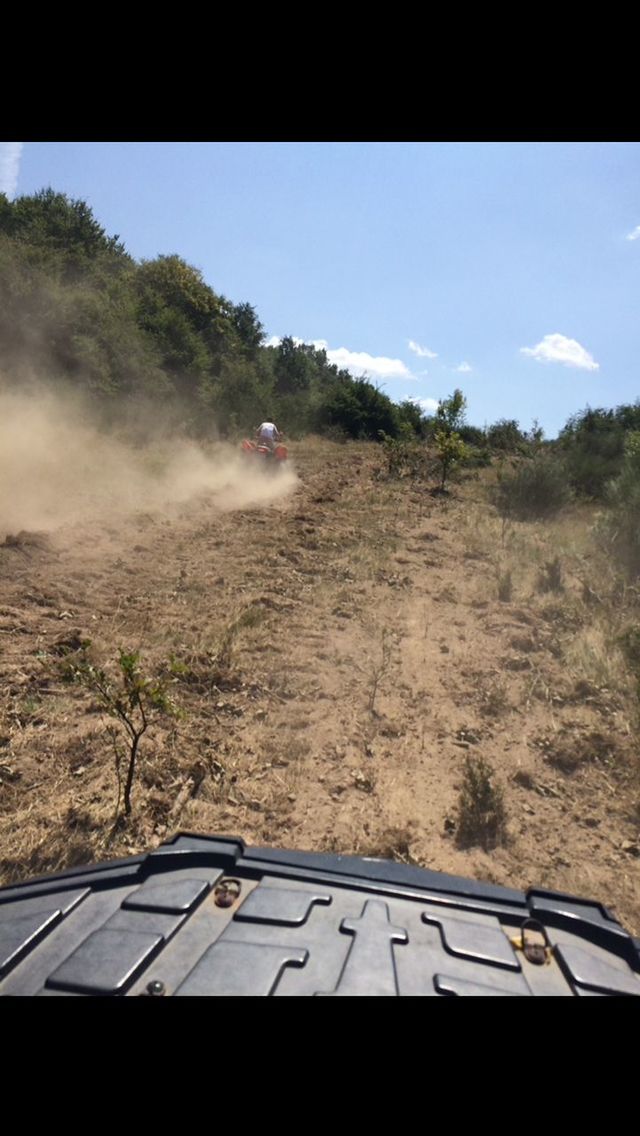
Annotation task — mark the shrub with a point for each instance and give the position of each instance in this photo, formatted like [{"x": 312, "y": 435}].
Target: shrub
[
  {"x": 622, "y": 523},
  {"x": 538, "y": 488},
  {"x": 473, "y": 436},
  {"x": 506, "y": 435},
  {"x": 594, "y": 447},
  {"x": 482, "y": 817},
  {"x": 129, "y": 697},
  {"x": 405, "y": 456}
]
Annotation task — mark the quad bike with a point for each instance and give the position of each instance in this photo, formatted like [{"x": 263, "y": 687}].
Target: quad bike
[
  {"x": 259, "y": 454},
  {"x": 207, "y": 915}
]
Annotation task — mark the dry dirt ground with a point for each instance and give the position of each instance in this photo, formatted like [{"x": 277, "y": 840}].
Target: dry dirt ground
[{"x": 335, "y": 653}]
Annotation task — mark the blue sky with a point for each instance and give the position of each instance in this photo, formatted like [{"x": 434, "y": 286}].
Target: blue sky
[{"x": 508, "y": 269}]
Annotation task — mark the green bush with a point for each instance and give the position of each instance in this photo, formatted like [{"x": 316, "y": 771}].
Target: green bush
[
  {"x": 593, "y": 444},
  {"x": 481, "y": 814},
  {"x": 506, "y": 435},
  {"x": 477, "y": 457},
  {"x": 361, "y": 410},
  {"x": 412, "y": 419},
  {"x": 536, "y": 489},
  {"x": 405, "y": 456},
  {"x": 473, "y": 436},
  {"x": 621, "y": 524}
]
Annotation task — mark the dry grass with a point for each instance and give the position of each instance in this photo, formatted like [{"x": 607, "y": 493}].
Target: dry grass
[
  {"x": 557, "y": 568},
  {"x": 269, "y": 626},
  {"x": 592, "y": 655}
]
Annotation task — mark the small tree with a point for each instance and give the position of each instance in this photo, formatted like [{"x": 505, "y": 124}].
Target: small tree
[
  {"x": 449, "y": 419},
  {"x": 450, "y": 449},
  {"x": 450, "y": 414},
  {"x": 131, "y": 699}
]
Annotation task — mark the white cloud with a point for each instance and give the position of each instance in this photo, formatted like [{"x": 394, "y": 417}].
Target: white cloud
[
  {"x": 464, "y": 368},
  {"x": 423, "y": 352},
  {"x": 428, "y": 405},
  {"x": 358, "y": 363},
  {"x": 634, "y": 235},
  {"x": 10, "y": 153},
  {"x": 558, "y": 349}
]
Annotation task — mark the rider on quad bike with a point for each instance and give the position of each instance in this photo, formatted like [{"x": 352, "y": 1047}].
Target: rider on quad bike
[
  {"x": 268, "y": 434},
  {"x": 267, "y": 449}
]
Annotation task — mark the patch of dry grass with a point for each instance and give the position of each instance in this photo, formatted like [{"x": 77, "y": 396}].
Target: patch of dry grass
[{"x": 592, "y": 655}]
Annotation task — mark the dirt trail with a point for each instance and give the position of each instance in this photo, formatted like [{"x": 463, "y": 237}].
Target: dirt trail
[{"x": 366, "y": 655}]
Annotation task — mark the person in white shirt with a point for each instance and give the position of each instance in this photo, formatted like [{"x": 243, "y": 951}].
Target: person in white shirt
[{"x": 268, "y": 433}]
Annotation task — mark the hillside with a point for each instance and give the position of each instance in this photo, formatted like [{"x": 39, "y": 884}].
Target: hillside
[{"x": 336, "y": 645}]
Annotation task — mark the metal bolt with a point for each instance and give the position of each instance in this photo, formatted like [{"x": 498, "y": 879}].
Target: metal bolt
[
  {"x": 156, "y": 988},
  {"x": 226, "y": 893},
  {"x": 535, "y": 953}
]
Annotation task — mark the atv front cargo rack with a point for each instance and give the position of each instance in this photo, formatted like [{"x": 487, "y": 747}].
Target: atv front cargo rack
[{"x": 209, "y": 916}]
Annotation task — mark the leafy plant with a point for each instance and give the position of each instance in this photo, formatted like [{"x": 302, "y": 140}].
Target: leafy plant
[
  {"x": 481, "y": 813},
  {"x": 538, "y": 488},
  {"x": 131, "y": 699},
  {"x": 451, "y": 412},
  {"x": 505, "y": 435},
  {"x": 449, "y": 445},
  {"x": 450, "y": 450},
  {"x": 593, "y": 446},
  {"x": 621, "y": 525},
  {"x": 405, "y": 456}
]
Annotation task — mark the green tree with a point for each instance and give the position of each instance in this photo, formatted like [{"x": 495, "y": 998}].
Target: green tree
[
  {"x": 293, "y": 367},
  {"x": 193, "y": 326},
  {"x": 249, "y": 330},
  {"x": 410, "y": 414},
  {"x": 360, "y": 409},
  {"x": 238, "y": 397},
  {"x": 60, "y": 230},
  {"x": 450, "y": 417}
]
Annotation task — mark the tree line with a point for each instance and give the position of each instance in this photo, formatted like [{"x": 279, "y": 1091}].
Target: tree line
[{"x": 77, "y": 309}]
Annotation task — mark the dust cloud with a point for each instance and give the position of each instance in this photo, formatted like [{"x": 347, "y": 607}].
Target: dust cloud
[{"x": 57, "y": 467}]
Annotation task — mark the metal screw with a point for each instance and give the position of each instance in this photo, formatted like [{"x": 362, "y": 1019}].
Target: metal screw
[{"x": 156, "y": 988}]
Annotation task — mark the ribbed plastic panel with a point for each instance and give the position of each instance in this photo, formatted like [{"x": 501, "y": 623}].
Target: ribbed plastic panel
[{"x": 207, "y": 916}]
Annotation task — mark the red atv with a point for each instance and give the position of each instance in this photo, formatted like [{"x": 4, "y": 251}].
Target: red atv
[{"x": 260, "y": 454}]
